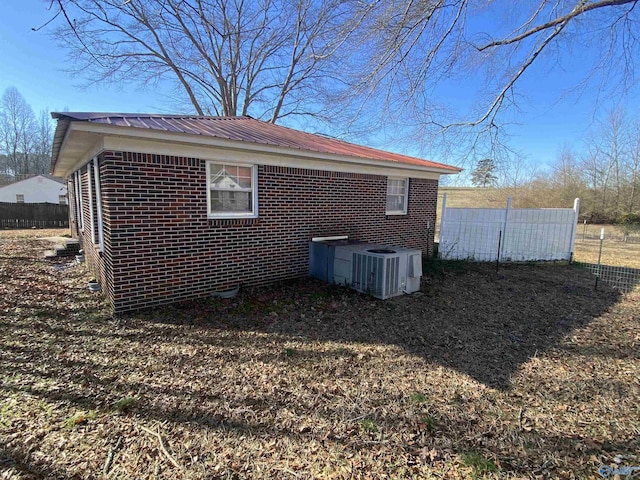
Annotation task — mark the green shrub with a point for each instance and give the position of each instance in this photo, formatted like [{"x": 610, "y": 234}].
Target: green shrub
[{"x": 630, "y": 223}]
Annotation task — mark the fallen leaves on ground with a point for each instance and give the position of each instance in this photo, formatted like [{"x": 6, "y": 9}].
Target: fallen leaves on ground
[{"x": 526, "y": 374}]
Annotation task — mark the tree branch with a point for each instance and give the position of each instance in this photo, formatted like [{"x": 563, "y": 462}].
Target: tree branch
[{"x": 579, "y": 9}]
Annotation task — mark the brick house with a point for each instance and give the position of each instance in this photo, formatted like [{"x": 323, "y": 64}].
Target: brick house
[{"x": 170, "y": 208}]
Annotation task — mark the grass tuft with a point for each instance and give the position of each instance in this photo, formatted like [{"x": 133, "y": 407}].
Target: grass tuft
[
  {"x": 124, "y": 405},
  {"x": 290, "y": 352},
  {"x": 79, "y": 418},
  {"x": 418, "y": 398},
  {"x": 368, "y": 425},
  {"x": 430, "y": 423},
  {"x": 479, "y": 464}
]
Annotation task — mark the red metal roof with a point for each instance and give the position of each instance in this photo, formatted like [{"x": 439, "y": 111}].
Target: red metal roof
[{"x": 245, "y": 129}]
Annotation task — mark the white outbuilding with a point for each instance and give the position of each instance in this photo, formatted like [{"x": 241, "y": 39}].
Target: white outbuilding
[{"x": 36, "y": 189}]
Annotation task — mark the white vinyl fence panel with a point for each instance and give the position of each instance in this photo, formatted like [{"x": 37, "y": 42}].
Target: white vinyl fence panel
[{"x": 489, "y": 234}]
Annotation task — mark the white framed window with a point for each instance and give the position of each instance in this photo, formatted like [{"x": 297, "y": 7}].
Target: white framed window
[
  {"x": 232, "y": 190},
  {"x": 397, "y": 196},
  {"x": 19, "y": 198}
]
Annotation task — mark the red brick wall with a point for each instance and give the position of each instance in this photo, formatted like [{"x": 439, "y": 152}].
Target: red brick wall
[{"x": 160, "y": 246}]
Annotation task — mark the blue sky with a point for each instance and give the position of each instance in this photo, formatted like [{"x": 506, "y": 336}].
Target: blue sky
[
  {"x": 32, "y": 63},
  {"x": 25, "y": 60}
]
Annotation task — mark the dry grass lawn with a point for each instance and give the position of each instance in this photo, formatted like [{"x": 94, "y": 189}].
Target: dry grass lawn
[
  {"x": 472, "y": 197},
  {"x": 529, "y": 374},
  {"x": 614, "y": 253}
]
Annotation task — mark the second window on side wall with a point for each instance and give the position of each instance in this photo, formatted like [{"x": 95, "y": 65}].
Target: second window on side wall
[
  {"x": 397, "y": 195},
  {"x": 231, "y": 190}
]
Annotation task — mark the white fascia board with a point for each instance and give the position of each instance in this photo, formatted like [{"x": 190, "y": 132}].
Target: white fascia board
[
  {"x": 227, "y": 154},
  {"x": 61, "y": 154},
  {"x": 200, "y": 146},
  {"x": 87, "y": 147}
]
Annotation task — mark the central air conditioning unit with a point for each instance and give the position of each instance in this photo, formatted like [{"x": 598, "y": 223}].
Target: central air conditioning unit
[{"x": 378, "y": 270}]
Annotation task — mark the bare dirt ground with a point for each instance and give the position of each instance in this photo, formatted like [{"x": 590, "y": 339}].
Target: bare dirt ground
[{"x": 526, "y": 374}]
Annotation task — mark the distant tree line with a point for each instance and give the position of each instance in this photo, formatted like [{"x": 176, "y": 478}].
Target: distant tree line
[
  {"x": 605, "y": 175},
  {"x": 25, "y": 140}
]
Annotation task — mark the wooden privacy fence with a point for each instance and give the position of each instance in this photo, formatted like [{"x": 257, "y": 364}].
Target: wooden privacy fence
[
  {"x": 509, "y": 234},
  {"x": 28, "y": 215}
]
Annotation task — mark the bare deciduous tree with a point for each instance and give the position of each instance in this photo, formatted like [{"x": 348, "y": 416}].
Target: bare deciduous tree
[
  {"x": 411, "y": 46},
  {"x": 566, "y": 178},
  {"x": 606, "y": 176},
  {"x": 16, "y": 127},
  {"x": 25, "y": 143},
  {"x": 265, "y": 58},
  {"x": 386, "y": 61},
  {"x": 612, "y": 147},
  {"x": 633, "y": 168},
  {"x": 42, "y": 143}
]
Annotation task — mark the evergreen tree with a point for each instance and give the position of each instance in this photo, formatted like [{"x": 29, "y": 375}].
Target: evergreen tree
[{"x": 483, "y": 175}]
